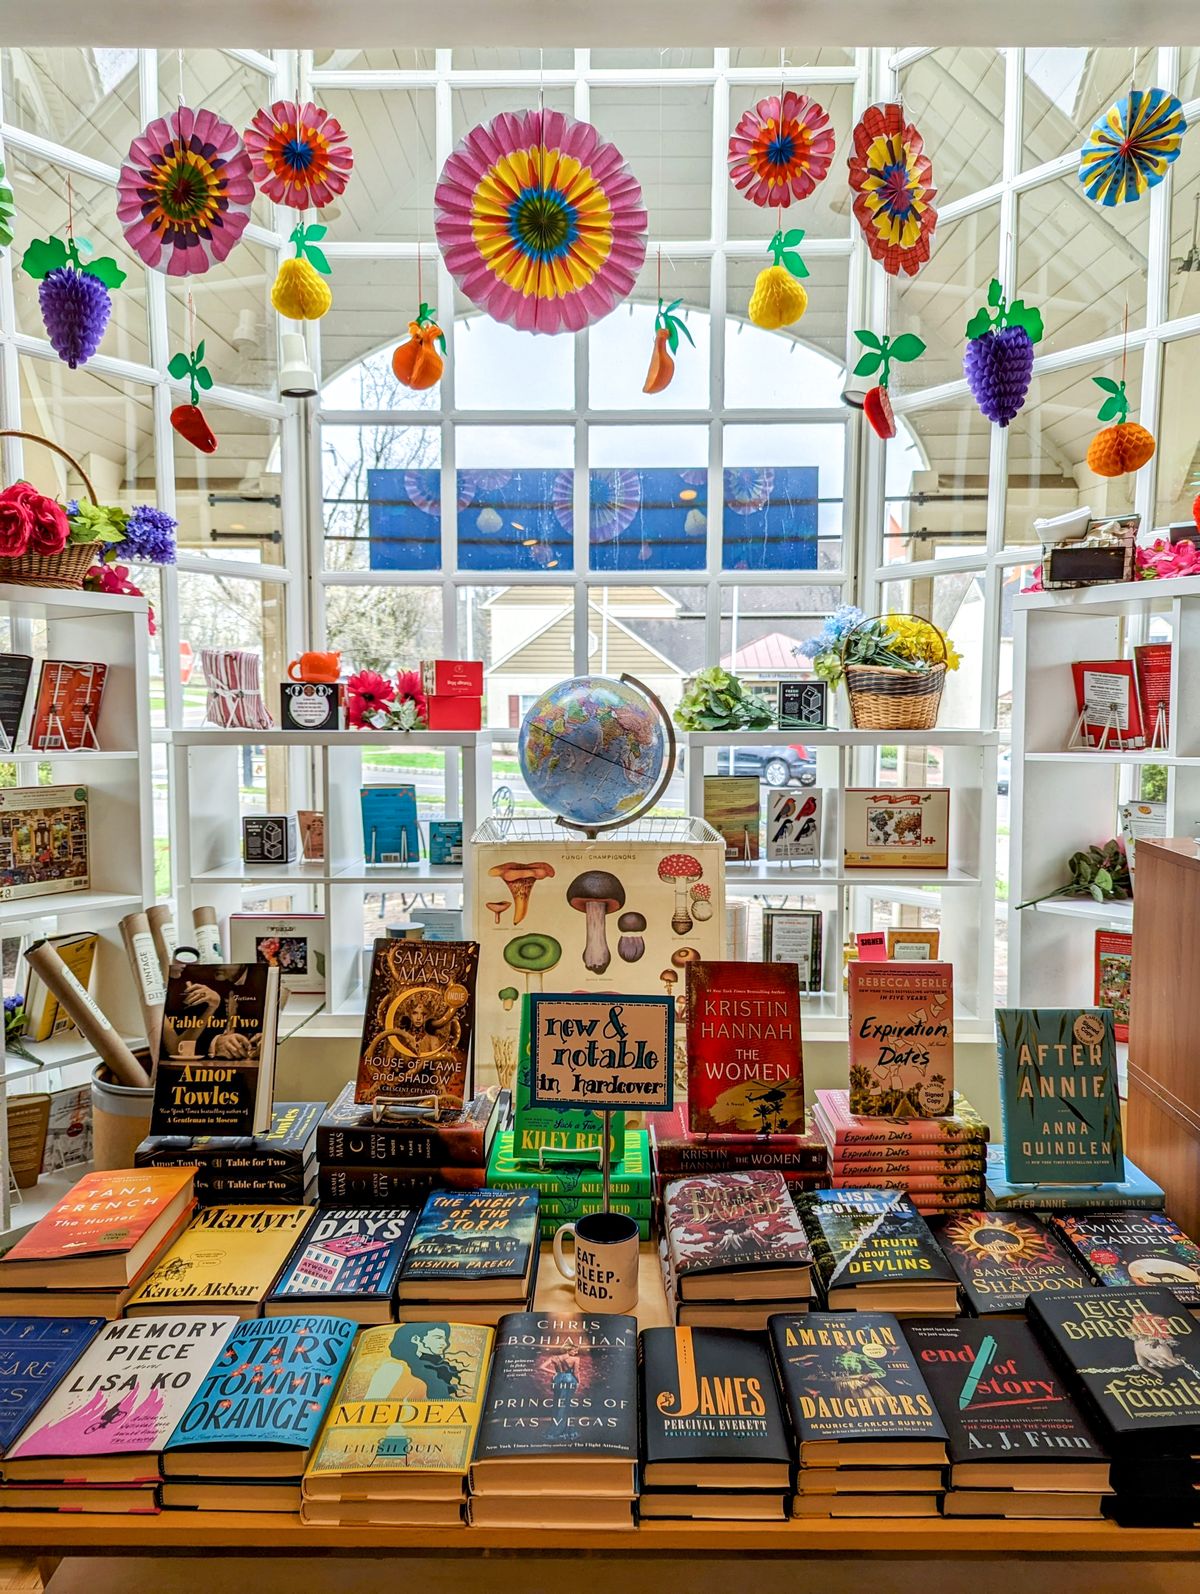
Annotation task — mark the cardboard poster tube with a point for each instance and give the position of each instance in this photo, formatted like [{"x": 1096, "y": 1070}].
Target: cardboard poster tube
[
  {"x": 207, "y": 935},
  {"x": 147, "y": 976},
  {"x": 166, "y": 937},
  {"x": 88, "y": 1018}
]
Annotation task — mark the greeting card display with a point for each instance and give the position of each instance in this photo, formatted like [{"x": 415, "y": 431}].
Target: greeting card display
[
  {"x": 1109, "y": 711},
  {"x": 794, "y": 825}
]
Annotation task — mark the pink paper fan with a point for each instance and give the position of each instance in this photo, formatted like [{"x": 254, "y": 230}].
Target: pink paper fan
[
  {"x": 781, "y": 150},
  {"x": 300, "y": 154}
]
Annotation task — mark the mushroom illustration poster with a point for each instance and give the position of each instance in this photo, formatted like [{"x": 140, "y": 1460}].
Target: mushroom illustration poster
[
  {"x": 602, "y": 1052},
  {"x": 593, "y": 918},
  {"x": 416, "y": 1039},
  {"x": 901, "y": 1039}
]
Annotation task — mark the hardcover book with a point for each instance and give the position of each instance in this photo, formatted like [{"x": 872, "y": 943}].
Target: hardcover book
[
  {"x": 731, "y": 808},
  {"x": 225, "y": 1260},
  {"x": 1137, "y": 1190},
  {"x": 260, "y": 1406},
  {"x": 407, "y": 1410},
  {"x": 678, "y": 1150},
  {"x": 36, "y": 1353},
  {"x": 1058, "y": 1095},
  {"x": 895, "y": 829},
  {"x": 1002, "y": 1257},
  {"x": 736, "y": 1236},
  {"x": 548, "y": 1133},
  {"x": 389, "y": 819},
  {"x": 457, "y": 1137},
  {"x": 630, "y": 1177},
  {"x": 1135, "y": 1356},
  {"x": 471, "y": 1243},
  {"x": 845, "y": 1128},
  {"x": 346, "y": 1261},
  {"x": 109, "y": 1418},
  {"x": 794, "y": 825},
  {"x": 66, "y": 708},
  {"x": 1144, "y": 1249},
  {"x": 416, "y": 1038},
  {"x": 560, "y": 1414},
  {"x": 873, "y": 1250},
  {"x": 44, "y": 1016},
  {"x": 710, "y": 1411},
  {"x": 216, "y": 1059},
  {"x": 287, "y": 1147},
  {"x": 1109, "y": 709},
  {"x": 294, "y": 944},
  {"x": 342, "y": 1185},
  {"x": 745, "y": 1057},
  {"x": 43, "y": 840},
  {"x": 1010, "y": 1420},
  {"x": 15, "y": 670},
  {"x": 1152, "y": 663},
  {"x": 1114, "y": 968},
  {"x": 901, "y": 1039},
  {"x": 853, "y": 1390},
  {"x": 953, "y": 1156}
]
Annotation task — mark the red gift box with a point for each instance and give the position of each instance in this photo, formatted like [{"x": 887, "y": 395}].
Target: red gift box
[
  {"x": 454, "y": 713},
  {"x": 452, "y": 678}
]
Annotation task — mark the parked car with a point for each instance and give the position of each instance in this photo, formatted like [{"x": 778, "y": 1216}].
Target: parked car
[
  {"x": 1003, "y": 770},
  {"x": 778, "y": 766}
]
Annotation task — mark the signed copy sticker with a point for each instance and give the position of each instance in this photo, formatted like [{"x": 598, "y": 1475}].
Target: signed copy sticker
[{"x": 603, "y": 1052}]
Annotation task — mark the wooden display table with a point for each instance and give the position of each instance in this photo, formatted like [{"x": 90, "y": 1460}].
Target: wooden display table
[{"x": 250, "y": 1533}]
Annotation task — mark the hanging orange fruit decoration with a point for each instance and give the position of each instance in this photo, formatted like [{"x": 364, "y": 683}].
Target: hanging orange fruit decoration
[
  {"x": 419, "y": 363},
  {"x": 778, "y": 299},
  {"x": 1122, "y": 447},
  {"x": 667, "y": 327}
]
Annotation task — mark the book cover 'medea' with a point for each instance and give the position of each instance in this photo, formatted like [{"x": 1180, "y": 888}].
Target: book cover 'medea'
[
  {"x": 1058, "y": 1095},
  {"x": 745, "y": 1057},
  {"x": 901, "y": 1039},
  {"x": 1003, "y": 1257},
  {"x": 216, "y": 1060},
  {"x": 416, "y": 1039}
]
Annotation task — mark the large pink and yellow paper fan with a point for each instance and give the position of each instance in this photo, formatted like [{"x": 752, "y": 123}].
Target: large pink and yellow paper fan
[
  {"x": 300, "y": 154},
  {"x": 540, "y": 221},
  {"x": 185, "y": 191},
  {"x": 781, "y": 150},
  {"x": 892, "y": 179}
]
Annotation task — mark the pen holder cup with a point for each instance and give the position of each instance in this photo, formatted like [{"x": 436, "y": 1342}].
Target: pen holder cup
[{"x": 120, "y": 1117}]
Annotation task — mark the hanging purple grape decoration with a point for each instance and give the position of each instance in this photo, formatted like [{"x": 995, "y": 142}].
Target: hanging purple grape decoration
[
  {"x": 998, "y": 361},
  {"x": 74, "y": 297}
]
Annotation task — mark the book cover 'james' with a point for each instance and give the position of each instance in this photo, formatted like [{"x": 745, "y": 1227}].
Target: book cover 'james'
[
  {"x": 901, "y": 1039},
  {"x": 745, "y": 1057},
  {"x": 416, "y": 1039}
]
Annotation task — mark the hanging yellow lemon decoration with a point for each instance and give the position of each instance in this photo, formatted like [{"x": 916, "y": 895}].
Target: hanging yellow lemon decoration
[
  {"x": 300, "y": 291},
  {"x": 778, "y": 299}
]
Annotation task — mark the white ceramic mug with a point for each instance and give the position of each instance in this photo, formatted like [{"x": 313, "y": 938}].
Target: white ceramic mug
[{"x": 605, "y": 1267}]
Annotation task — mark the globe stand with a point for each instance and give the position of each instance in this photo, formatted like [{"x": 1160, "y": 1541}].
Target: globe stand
[{"x": 592, "y": 831}]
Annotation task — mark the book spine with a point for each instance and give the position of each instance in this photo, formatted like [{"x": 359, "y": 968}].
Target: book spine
[
  {"x": 904, "y": 1167},
  {"x": 252, "y": 1187},
  {"x": 434, "y": 1147},
  {"x": 1036, "y": 1199},
  {"x": 565, "y": 1210},
  {"x": 590, "y": 1188},
  {"x": 392, "y": 1186},
  {"x": 222, "y": 1164},
  {"x": 795, "y": 1182},
  {"x": 928, "y": 1183},
  {"x": 679, "y": 1159},
  {"x": 936, "y": 1131},
  {"x": 549, "y": 1226}
]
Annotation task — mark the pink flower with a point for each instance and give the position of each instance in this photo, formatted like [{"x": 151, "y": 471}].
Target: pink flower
[
  {"x": 365, "y": 693},
  {"x": 16, "y": 523},
  {"x": 49, "y": 530},
  {"x": 409, "y": 689}
]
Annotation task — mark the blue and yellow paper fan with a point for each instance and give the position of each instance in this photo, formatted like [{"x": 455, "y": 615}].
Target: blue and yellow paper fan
[{"x": 1129, "y": 149}]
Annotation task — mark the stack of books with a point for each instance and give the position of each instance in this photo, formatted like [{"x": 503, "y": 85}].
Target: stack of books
[
  {"x": 1131, "y": 1357},
  {"x": 226, "y": 1260},
  {"x": 1136, "y": 1191},
  {"x": 397, "y": 1440},
  {"x": 36, "y": 1354},
  {"x": 868, "y": 1438},
  {"x": 92, "y": 1250},
  {"x": 568, "y": 1189},
  {"x": 280, "y": 1165},
  {"x": 1019, "y": 1445},
  {"x": 938, "y": 1161},
  {"x": 364, "y": 1163},
  {"x": 473, "y": 1255},
  {"x": 243, "y": 1442},
  {"x": 714, "y": 1438},
  {"x": 1001, "y": 1258},
  {"x": 96, "y": 1442},
  {"x": 558, "y": 1443},
  {"x": 345, "y": 1263},
  {"x": 733, "y": 1250},
  {"x": 1147, "y": 1249},
  {"x": 680, "y": 1152},
  {"x": 873, "y": 1252}
]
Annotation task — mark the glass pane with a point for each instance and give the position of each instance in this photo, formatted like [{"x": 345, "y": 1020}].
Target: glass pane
[
  {"x": 373, "y": 301},
  {"x": 826, "y": 212},
  {"x": 515, "y": 497},
  {"x": 663, "y": 60},
  {"x": 1183, "y": 282},
  {"x": 955, "y": 98},
  {"x": 643, "y": 515},
  {"x": 954, "y": 603},
  {"x": 227, "y": 503},
  {"x": 160, "y": 785},
  {"x": 1189, "y": 73},
  {"x": 784, "y": 490},
  {"x": 229, "y": 612},
  {"x": 936, "y": 485},
  {"x": 620, "y": 346},
  {"x": 107, "y": 425},
  {"x": 799, "y": 366},
  {"x": 84, "y": 99},
  {"x": 474, "y": 106},
  {"x": 513, "y": 59},
  {"x": 232, "y": 313},
  {"x": 498, "y": 368},
  {"x": 1178, "y": 479},
  {"x": 793, "y": 55},
  {"x": 377, "y": 60},
  {"x": 1082, "y": 265},
  {"x": 1067, "y": 89},
  {"x": 40, "y": 191},
  {"x": 1048, "y": 444},
  {"x": 665, "y": 134},
  {"x": 149, "y": 579},
  {"x": 761, "y": 627},
  {"x": 382, "y": 497},
  {"x": 383, "y": 628},
  {"x": 222, "y": 84},
  {"x": 390, "y": 192},
  {"x": 525, "y": 637},
  {"x": 938, "y": 302}
]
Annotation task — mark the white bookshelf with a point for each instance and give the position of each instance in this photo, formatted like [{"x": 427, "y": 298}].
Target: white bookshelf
[{"x": 1063, "y": 800}]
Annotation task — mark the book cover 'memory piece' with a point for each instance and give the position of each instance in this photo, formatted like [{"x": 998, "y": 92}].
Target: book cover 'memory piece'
[
  {"x": 745, "y": 1057},
  {"x": 416, "y": 1038},
  {"x": 216, "y": 1060},
  {"x": 901, "y": 1039},
  {"x": 1058, "y": 1095}
]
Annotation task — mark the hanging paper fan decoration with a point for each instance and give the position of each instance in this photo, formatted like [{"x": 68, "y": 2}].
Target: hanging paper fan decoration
[
  {"x": 614, "y": 498},
  {"x": 300, "y": 154},
  {"x": 7, "y": 211},
  {"x": 1129, "y": 149},
  {"x": 748, "y": 491},
  {"x": 781, "y": 150},
  {"x": 429, "y": 499},
  {"x": 540, "y": 221},
  {"x": 185, "y": 191},
  {"x": 892, "y": 179}
]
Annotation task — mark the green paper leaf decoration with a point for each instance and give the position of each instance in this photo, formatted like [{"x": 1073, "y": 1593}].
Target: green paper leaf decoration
[
  {"x": 908, "y": 346},
  {"x": 794, "y": 264},
  {"x": 979, "y": 323},
  {"x": 441, "y": 342},
  {"x": 106, "y": 270},
  {"x": 683, "y": 327},
  {"x": 868, "y": 365},
  {"x": 178, "y": 366},
  {"x": 1022, "y": 315},
  {"x": 43, "y": 256},
  {"x": 995, "y": 293},
  {"x": 203, "y": 377},
  {"x": 867, "y": 339},
  {"x": 1112, "y": 409},
  {"x": 316, "y": 232},
  {"x": 791, "y": 239},
  {"x": 199, "y": 352},
  {"x": 1106, "y": 384},
  {"x": 317, "y": 258},
  {"x": 672, "y": 334}
]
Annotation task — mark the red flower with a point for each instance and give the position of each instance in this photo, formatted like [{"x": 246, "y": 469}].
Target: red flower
[
  {"x": 50, "y": 530},
  {"x": 16, "y": 523},
  {"x": 367, "y": 692},
  {"x": 408, "y": 687}
]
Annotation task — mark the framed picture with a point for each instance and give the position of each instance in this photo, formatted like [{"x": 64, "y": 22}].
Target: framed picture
[{"x": 793, "y": 935}]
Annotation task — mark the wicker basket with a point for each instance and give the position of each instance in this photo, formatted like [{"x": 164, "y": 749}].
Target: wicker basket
[
  {"x": 65, "y": 569},
  {"x": 883, "y": 698},
  {"x": 28, "y": 1121}
]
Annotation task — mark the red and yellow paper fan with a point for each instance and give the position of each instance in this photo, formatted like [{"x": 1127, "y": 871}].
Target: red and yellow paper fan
[
  {"x": 540, "y": 221},
  {"x": 892, "y": 179},
  {"x": 300, "y": 154},
  {"x": 780, "y": 150}
]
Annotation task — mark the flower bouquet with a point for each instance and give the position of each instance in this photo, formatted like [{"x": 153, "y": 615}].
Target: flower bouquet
[
  {"x": 41, "y": 543},
  {"x": 894, "y": 666},
  {"x": 375, "y": 703},
  {"x": 146, "y": 537}
]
